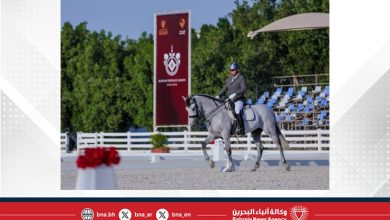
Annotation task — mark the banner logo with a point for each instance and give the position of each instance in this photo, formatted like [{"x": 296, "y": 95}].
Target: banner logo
[
  {"x": 163, "y": 24},
  {"x": 163, "y": 30},
  {"x": 299, "y": 213},
  {"x": 171, "y": 62},
  {"x": 182, "y": 22}
]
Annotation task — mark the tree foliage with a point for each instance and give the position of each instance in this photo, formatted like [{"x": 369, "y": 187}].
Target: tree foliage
[{"x": 107, "y": 82}]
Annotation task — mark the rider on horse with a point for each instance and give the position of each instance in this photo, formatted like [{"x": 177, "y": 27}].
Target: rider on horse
[{"x": 235, "y": 87}]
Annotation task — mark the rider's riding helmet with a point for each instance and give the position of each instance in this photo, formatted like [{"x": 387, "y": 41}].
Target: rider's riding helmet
[{"x": 234, "y": 66}]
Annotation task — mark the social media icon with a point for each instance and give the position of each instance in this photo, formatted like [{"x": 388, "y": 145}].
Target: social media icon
[
  {"x": 124, "y": 214},
  {"x": 162, "y": 214},
  {"x": 87, "y": 214}
]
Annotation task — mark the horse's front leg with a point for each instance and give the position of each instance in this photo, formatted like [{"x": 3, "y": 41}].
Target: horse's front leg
[
  {"x": 209, "y": 138},
  {"x": 229, "y": 163}
]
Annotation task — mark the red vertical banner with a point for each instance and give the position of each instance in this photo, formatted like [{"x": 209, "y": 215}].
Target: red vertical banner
[{"x": 172, "y": 66}]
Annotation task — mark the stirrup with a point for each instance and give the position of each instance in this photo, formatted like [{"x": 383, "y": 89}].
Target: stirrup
[{"x": 240, "y": 132}]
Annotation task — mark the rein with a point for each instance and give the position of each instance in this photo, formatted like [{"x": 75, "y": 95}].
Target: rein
[
  {"x": 214, "y": 110},
  {"x": 197, "y": 115}
]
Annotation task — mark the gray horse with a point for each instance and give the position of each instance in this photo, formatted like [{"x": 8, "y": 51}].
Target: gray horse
[{"x": 220, "y": 124}]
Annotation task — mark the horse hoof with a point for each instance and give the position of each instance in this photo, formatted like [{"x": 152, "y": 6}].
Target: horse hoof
[
  {"x": 212, "y": 164},
  {"x": 227, "y": 170},
  {"x": 287, "y": 167}
]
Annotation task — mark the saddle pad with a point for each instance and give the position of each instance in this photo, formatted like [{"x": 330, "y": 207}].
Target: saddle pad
[{"x": 249, "y": 114}]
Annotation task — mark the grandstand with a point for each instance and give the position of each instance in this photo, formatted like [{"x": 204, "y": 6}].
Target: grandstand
[{"x": 298, "y": 107}]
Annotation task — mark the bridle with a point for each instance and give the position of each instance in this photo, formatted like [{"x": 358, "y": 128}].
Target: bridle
[
  {"x": 192, "y": 101},
  {"x": 197, "y": 111}
]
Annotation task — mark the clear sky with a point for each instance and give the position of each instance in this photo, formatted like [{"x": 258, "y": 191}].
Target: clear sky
[{"x": 132, "y": 17}]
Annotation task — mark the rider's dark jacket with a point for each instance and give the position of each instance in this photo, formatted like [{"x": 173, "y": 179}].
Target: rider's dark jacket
[{"x": 238, "y": 86}]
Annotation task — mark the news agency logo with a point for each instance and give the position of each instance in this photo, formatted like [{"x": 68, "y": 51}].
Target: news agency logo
[
  {"x": 87, "y": 214},
  {"x": 171, "y": 62},
  {"x": 299, "y": 213}
]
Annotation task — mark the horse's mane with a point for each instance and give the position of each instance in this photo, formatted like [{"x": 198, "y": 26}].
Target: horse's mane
[{"x": 210, "y": 97}]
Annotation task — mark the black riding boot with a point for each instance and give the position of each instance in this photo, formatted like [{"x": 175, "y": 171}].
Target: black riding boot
[{"x": 240, "y": 124}]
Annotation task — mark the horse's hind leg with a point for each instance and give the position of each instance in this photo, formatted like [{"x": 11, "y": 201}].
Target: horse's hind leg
[
  {"x": 259, "y": 146},
  {"x": 229, "y": 164},
  {"x": 209, "y": 138},
  {"x": 276, "y": 140}
]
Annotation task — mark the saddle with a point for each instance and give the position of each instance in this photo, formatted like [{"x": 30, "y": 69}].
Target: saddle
[{"x": 247, "y": 113}]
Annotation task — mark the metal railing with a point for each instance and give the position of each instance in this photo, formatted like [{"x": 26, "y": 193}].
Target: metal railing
[{"x": 301, "y": 80}]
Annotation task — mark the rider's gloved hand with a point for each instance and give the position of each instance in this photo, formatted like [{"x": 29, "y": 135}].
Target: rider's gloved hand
[{"x": 231, "y": 97}]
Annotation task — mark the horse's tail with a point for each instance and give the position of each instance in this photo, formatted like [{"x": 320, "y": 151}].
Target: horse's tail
[{"x": 283, "y": 142}]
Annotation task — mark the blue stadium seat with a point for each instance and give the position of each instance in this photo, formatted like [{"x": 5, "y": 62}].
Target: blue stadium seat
[
  {"x": 309, "y": 108},
  {"x": 271, "y": 102},
  {"x": 290, "y": 91},
  {"x": 300, "y": 107},
  {"x": 292, "y": 107},
  {"x": 277, "y": 118},
  {"x": 261, "y": 100},
  {"x": 317, "y": 90},
  {"x": 326, "y": 91},
  {"x": 322, "y": 115},
  {"x": 324, "y": 102},
  {"x": 309, "y": 100},
  {"x": 283, "y": 115},
  {"x": 298, "y": 97},
  {"x": 305, "y": 121}
]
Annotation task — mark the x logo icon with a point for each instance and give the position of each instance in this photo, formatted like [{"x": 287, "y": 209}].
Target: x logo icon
[
  {"x": 162, "y": 214},
  {"x": 124, "y": 214}
]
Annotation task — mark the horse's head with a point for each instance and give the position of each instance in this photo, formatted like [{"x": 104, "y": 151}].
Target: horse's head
[{"x": 192, "y": 109}]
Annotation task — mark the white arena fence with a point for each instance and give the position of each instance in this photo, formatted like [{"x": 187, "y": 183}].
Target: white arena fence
[{"x": 191, "y": 141}]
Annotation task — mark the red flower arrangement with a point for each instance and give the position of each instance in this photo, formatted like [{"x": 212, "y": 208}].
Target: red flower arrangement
[{"x": 94, "y": 157}]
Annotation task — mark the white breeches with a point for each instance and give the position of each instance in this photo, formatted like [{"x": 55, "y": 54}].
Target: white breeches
[{"x": 238, "y": 106}]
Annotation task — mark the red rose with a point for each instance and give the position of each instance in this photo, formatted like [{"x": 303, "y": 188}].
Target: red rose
[
  {"x": 94, "y": 157},
  {"x": 113, "y": 156},
  {"x": 81, "y": 162}
]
